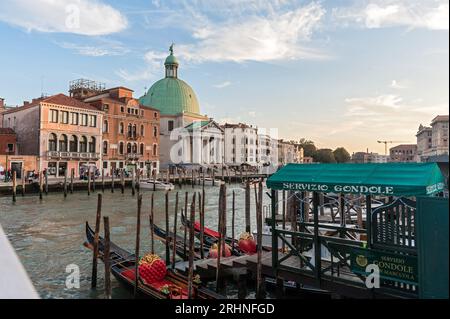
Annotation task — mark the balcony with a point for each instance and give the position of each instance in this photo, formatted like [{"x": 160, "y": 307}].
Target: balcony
[
  {"x": 131, "y": 156},
  {"x": 73, "y": 155}
]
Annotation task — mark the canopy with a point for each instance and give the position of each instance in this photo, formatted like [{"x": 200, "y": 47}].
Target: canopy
[{"x": 391, "y": 179}]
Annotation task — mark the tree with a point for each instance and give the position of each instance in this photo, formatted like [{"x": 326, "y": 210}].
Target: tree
[
  {"x": 341, "y": 155},
  {"x": 324, "y": 155},
  {"x": 309, "y": 149}
]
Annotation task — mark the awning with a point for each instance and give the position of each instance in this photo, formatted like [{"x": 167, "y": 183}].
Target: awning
[{"x": 392, "y": 179}]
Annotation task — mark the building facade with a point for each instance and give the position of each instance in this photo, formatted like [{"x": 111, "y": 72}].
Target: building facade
[
  {"x": 8, "y": 141},
  {"x": 286, "y": 152},
  {"x": 130, "y": 132},
  {"x": 433, "y": 141},
  {"x": 241, "y": 145},
  {"x": 61, "y": 131},
  {"x": 424, "y": 141},
  {"x": 403, "y": 153}
]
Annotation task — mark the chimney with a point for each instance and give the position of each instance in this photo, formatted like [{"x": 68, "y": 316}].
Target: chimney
[
  {"x": 25, "y": 103},
  {"x": 2, "y": 102}
]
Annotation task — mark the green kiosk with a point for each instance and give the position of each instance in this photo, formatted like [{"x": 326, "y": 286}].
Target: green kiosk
[{"x": 390, "y": 215}]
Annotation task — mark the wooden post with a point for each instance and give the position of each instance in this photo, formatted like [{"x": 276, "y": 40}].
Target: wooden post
[
  {"x": 112, "y": 181},
  {"x": 175, "y": 232},
  {"x": 221, "y": 239},
  {"x": 93, "y": 179},
  {"x": 14, "y": 185},
  {"x": 247, "y": 207},
  {"x": 65, "y": 183},
  {"x": 192, "y": 181},
  {"x": 89, "y": 181},
  {"x": 122, "y": 180},
  {"x": 72, "y": 175},
  {"x": 152, "y": 239},
  {"x": 191, "y": 249},
  {"x": 259, "y": 282},
  {"x": 202, "y": 228},
  {"x": 106, "y": 259},
  {"x": 233, "y": 212},
  {"x": 40, "y": 185},
  {"x": 133, "y": 183},
  {"x": 213, "y": 173},
  {"x": 96, "y": 238},
  {"x": 23, "y": 182},
  {"x": 167, "y": 229},
  {"x": 103, "y": 180},
  {"x": 46, "y": 182},
  {"x": 317, "y": 244},
  {"x": 185, "y": 228},
  {"x": 138, "y": 241}
]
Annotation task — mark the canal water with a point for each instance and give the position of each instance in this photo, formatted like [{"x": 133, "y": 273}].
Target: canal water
[{"x": 48, "y": 234}]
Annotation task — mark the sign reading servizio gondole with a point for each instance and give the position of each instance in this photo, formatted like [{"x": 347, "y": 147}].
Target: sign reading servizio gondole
[
  {"x": 359, "y": 189},
  {"x": 401, "y": 268}
]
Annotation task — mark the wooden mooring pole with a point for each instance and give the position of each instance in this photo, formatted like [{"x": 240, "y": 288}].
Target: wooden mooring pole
[
  {"x": 259, "y": 280},
  {"x": 72, "y": 175},
  {"x": 89, "y": 181},
  {"x": 14, "y": 185},
  {"x": 191, "y": 249},
  {"x": 221, "y": 239},
  {"x": 46, "y": 182},
  {"x": 233, "y": 213},
  {"x": 106, "y": 259},
  {"x": 133, "y": 183},
  {"x": 23, "y": 182},
  {"x": 167, "y": 229},
  {"x": 186, "y": 196},
  {"x": 174, "y": 249},
  {"x": 202, "y": 228},
  {"x": 112, "y": 181},
  {"x": 247, "y": 207},
  {"x": 40, "y": 185},
  {"x": 103, "y": 180},
  {"x": 152, "y": 236},
  {"x": 138, "y": 242},
  {"x": 96, "y": 239},
  {"x": 65, "y": 183},
  {"x": 122, "y": 181}
]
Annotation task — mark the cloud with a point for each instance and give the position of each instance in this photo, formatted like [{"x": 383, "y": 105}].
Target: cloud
[
  {"x": 222, "y": 85},
  {"x": 82, "y": 17},
  {"x": 397, "y": 85},
  {"x": 96, "y": 50},
  {"x": 413, "y": 14}
]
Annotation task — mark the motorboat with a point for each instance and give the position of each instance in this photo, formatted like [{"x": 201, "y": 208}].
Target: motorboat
[{"x": 156, "y": 185}]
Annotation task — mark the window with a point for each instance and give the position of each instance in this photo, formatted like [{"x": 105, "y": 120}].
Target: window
[
  {"x": 105, "y": 126},
  {"x": 141, "y": 149},
  {"x": 155, "y": 149},
  {"x": 121, "y": 128},
  {"x": 121, "y": 148},
  {"x": 65, "y": 117},
  {"x": 142, "y": 130},
  {"x": 105, "y": 147},
  {"x": 93, "y": 120},
  {"x": 120, "y": 164},
  {"x": 63, "y": 143},
  {"x": 135, "y": 148},
  {"x": 142, "y": 112},
  {"x": 128, "y": 110},
  {"x": 122, "y": 109},
  {"x": 54, "y": 116},
  {"x": 105, "y": 165},
  {"x": 170, "y": 124},
  {"x": 155, "y": 131},
  {"x": 52, "y": 142},
  {"x": 128, "y": 148},
  {"x": 83, "y": 144},
  {"x": 92, "y": 145},
  {"x": 155, "y": 115},
  {"x": 73, "y": 144},
  {"x": 129, "y": 130},
  {"x": 84, "y": 119},
  {"x": 105, "y": 107},
  {"x": 74, "y": 118},
  {"x": 10, "y": 148},
  {"x": 134, "y": 130}
]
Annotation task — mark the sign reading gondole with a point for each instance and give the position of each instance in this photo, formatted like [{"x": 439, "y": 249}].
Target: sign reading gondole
[{"x": 401, "y": 268}]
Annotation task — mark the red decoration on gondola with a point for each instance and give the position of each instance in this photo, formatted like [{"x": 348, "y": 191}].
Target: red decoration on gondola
[
  {"x": 214, "y": 251},
  {"x": 247, "y": 243},
  {"x": 152, "y": 268}
]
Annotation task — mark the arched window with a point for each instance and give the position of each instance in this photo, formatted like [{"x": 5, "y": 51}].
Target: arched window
[
  {"x": 121, "y": 148},
  {"x": 141, "y": 149},
  {"x": 73, "y": 144},
  {"x": 142, "y": 130},
  {"x": 105, "y": 126},
  {"x": 105, "y": 147},
  {"x": 128, "y": 148},
  {"x": 134, "y": 130},
  {"x": 134, "y": 148},
  {"x": 83, "y": 144},
  {"x": 155, "y": 131},
  {"x": 92, "y": 145},
  {"x": 52, "y": 142},
  {"x": 63, "y": 143},
  {"x": 121, "y": 128},
  {"x": 155, "y": 149}
]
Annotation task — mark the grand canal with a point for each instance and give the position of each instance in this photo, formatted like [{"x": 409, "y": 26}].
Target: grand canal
[{"x": 48, "y": 234}]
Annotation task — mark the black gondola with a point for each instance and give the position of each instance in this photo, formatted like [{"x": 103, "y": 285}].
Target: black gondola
[{"x": 123, "y": 263}]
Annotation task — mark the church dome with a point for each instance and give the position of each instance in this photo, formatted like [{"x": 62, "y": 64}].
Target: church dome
[{"x": 171, "y": 95}]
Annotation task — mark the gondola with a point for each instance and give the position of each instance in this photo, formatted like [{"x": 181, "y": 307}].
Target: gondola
[{"x": 173, "y": 286}]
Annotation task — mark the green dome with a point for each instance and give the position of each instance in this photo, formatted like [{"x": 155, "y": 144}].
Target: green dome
[
  {"x": 171, "y": 96},
  {"x": 171, "y": 59}
]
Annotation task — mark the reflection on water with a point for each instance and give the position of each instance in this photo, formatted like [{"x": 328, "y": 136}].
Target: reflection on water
[{"x": 48, "y": 235}]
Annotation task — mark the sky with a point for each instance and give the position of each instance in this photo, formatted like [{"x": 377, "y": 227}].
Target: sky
[{"x": 338, "y": 72}]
